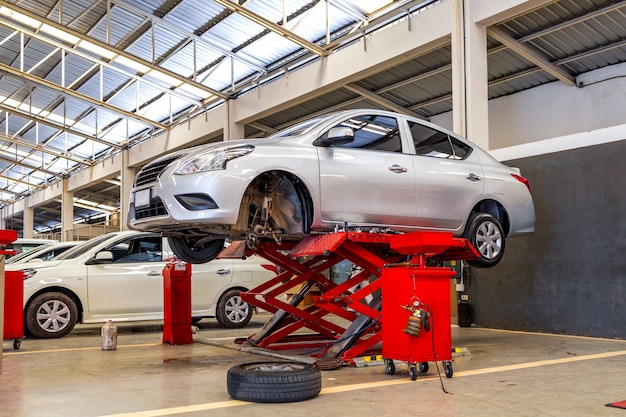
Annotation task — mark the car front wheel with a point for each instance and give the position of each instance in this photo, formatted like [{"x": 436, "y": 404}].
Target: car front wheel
[
  {"x": 193, "y": 252},
  {"x": 51, "y": 315},
  {"x": 232, "y": 311},
  {"x": 485, "y": 233}
]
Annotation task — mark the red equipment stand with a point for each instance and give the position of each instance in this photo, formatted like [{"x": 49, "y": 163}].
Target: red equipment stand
[
  {"x": 11, "y": 296},
  {"x": 177, "y": 303},
  {"x": 356, "y": 327},
  {"x": 14, "y": 307}
]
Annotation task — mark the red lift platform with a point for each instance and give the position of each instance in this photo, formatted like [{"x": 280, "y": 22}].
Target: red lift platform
[{"x": 396, "y": 273}]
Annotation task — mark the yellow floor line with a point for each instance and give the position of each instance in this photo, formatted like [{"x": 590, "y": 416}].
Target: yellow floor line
[
  {"x": 31, "y": 352},
  {"x": 369, "y": 385}
]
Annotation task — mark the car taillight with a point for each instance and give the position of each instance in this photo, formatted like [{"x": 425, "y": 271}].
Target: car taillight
[
  {"x": 270, "y": 267},
  {"x": 522, "y": 180}
]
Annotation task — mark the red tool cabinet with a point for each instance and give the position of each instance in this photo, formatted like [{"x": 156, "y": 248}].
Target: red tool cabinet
[{"x": 426, "y": 290}]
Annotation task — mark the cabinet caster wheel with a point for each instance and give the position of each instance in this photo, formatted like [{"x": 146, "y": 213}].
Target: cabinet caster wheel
[
  {"x": 413, "y": 372},
  {"x": 424, "y": 367},
  {"x": 17, "y": 343},
  {"x": 390, "y": 367},
  {"x": 447, "y": 368}
]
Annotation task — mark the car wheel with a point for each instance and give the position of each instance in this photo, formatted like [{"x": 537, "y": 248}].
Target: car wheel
[
  {"x": 232, "y": 312},
  {"x": 51, "y": 315},
  {"x": 189, "y": 251},
  {"x": 274, "y": 382},
  {"x": 485, "y": 233}
]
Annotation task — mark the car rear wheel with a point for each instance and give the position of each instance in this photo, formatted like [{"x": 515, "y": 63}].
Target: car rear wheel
[
  {"x": 51, "y": 315},
  {"x": 232, "y": 312},
  {"x": 485, "y": 233},
  {"x": 193, "y": 252}
]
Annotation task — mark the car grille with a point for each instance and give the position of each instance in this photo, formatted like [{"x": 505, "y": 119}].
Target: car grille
[
  {"x": 156, "y": 208},
  {"x": 150, "y": 172}
]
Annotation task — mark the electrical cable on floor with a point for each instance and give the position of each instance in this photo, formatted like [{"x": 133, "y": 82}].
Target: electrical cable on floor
[{"x": 432, "y": 335}]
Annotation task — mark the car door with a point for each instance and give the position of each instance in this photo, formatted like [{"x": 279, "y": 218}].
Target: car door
[
  {"x": 368, "y": 180},
  {"x": 132, "y": 285},
  {"x": 449, "y": 177}
]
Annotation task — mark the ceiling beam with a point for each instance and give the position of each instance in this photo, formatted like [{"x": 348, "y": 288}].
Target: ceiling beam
[
  {"x": 112, "y": 49},
  {"x": 532, "y": 55},
  {"x": 380, "y": 100},
  {"x": 53, "y": 125},
  {"x": 67, "y": 91},
  {"x": 276, "y": 28}
]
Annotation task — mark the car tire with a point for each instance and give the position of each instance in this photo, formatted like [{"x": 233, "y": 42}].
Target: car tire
[
  {"x": 274, "y": 382},
  {"x": 486, "y": 234},
  {"x": 187, "y": 251},
  {"x": 51, "y": 315},
  {"x": 232, "y": 312}
]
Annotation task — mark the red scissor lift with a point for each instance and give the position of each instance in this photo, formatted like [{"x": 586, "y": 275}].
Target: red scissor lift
[{"x": 394, "y": 272}]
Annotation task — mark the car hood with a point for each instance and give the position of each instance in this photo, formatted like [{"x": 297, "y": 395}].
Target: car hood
[{"x": 34, "y": 265}]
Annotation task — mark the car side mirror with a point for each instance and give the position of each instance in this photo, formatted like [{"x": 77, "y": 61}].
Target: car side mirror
[
  {"x": 336, "y": 136},
  {"x": 102, "y": 257}
]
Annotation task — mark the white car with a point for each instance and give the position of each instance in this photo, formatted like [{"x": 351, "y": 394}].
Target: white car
[
  {"x": 42, "y": 253},
  {"x": 118, "y": 276},
  {"x": 366, "y": 169}
]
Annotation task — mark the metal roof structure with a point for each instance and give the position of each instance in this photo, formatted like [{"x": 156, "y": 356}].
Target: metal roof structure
[{"x": 81, "y": 80}]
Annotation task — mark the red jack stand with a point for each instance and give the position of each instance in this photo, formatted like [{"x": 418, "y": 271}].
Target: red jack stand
[{"x": 356, "y": 326}]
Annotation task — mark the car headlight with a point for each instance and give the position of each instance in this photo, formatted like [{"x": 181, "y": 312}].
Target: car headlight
[
  {"x": 213, "y": 160},
  {"x": 29, "y": 273}
]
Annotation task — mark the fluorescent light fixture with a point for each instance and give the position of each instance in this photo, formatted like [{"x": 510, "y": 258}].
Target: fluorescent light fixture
[
  {"x": 99, "y": 51},
  {"x": 134, "y": 65},
  {"x": 161, "y": 76},
  {"x": 60, "y": 34},
  {"x": 28, "y": 21}
]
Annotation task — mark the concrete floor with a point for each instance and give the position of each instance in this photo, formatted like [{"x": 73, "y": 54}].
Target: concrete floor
[{"x": 505, "y": 374}]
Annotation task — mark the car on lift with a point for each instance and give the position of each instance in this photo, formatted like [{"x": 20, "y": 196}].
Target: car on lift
[
  {"x": 365, "y": 169},
  {"x": 119, "y": 277}
]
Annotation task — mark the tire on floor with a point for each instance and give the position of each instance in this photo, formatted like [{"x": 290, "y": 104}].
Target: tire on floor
[{"x": 274, "y": 382}]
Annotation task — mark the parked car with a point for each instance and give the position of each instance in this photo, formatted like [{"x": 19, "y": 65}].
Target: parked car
[
  {"x": 25, "y": 244},
  {"x": 362, "y": 168},
  {"x": 118, "y": 276},
  {"x": 39, "y": 254}
]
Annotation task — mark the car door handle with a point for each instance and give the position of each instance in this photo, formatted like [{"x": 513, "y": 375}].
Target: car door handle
[
  {"x": 223, "y": 271},
  {"x": 473, "y": 177},
  {"x": 397, "y": 169},
  {"x": 154, "y": 274}
]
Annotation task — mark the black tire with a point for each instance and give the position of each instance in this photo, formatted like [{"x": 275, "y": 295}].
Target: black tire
[
  {"x": 447, "y": 368},
  {"x": 486, "y": 234},
  {"x": 232, "y": 312},
  {"x": 413, "y": 372},
  {"x": 189, "y": 251},
  {"x": 390, "y": 367},
  {"x": 274, "y": 382},
  {"x": 51, "y": 315},
  {"x": 424, "y": 367}
]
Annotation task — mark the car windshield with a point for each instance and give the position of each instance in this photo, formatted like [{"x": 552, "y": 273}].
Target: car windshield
[
  {"x": 84, "y": 247},
  {"x": 299, "y": 128},
  {"x": 22, "y": 255}
]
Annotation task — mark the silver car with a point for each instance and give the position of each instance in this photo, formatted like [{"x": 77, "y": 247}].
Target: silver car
[{"x": 366, "y": 169}]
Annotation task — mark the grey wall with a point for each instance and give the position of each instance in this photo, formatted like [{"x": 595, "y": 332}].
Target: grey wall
[{"x": 570, "y": 275}]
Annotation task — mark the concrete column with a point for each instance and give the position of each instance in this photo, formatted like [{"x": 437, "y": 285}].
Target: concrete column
[
  {"x": 232, "y": 130},
  {"x": 470, "y": 112},
  {"x": 67, "y": 212},
  {"x": 28, "y": 219},
  {"x": 126, "y": 183}
]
